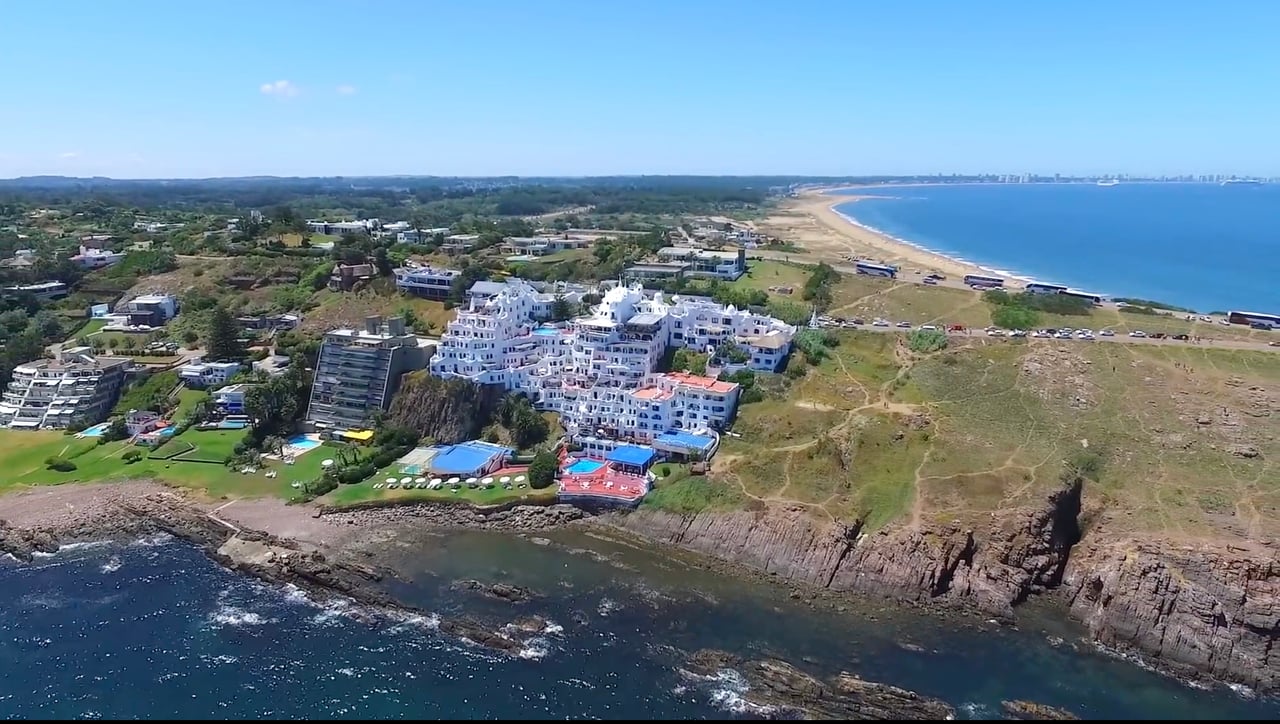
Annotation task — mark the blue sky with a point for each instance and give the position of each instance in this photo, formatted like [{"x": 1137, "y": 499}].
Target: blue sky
[{"x": 142, "y": 88}]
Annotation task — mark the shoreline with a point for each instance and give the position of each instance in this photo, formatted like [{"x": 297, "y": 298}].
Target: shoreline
[{"x": 944, "y": 572}]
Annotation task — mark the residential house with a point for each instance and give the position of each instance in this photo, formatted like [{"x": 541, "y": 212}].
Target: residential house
[
  {"x": 230, "y": 399},
  {"x": 426, "y": 281},
  {"x": 202, "y": 374},
  {"x": 345, "y": 276}
]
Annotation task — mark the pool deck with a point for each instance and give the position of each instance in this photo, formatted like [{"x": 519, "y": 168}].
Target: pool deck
[{"x": 611, "y": 486}]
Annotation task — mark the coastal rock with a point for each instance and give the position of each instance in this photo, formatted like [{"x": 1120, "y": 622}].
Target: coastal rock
[
  {"x": 500, "y": 591},
  {"x": 23, "y": 544},
  {"x": 780, "y": 690},
  {"x": 1022, "y": 552},
  {"x": 1031, "y": 711},
  {"x": 449, "y": 515},
  {"x": 1198, "y": 609},
  {"x": 479, "y": 634}
]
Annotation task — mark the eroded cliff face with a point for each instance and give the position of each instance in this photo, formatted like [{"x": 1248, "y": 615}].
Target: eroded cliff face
[
  {"x": 1198, "y": 609},
  {"x": 1019, "y": 554},
  {"x": 1211, "y": 610}
]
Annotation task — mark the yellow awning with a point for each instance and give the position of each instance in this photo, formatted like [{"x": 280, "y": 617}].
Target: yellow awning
[{"x": 361, "y": 435}]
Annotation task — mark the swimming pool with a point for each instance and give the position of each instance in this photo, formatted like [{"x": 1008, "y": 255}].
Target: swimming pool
[
  {"x": 583, "y": 467},
  {"x": 96, "y": 430},
  {"x": 303, "y": 443},
  {"x": 232, "y": 425}
]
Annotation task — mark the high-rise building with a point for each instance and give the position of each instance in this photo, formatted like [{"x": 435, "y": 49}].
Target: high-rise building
[
  {"x": 53, "y": 393},
  {"x": 359, "y": 371}
]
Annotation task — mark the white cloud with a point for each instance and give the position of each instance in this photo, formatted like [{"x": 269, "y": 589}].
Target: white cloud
[
  {"x": 280, "y": 88},
  {"x": 346, "y": 90},
  {"x": 69, "y": 154}
]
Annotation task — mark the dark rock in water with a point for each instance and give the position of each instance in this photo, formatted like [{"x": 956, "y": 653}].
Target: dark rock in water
[
  {"x": 1031, "y": 711},
  {"x": 788, "y": 691},
  {"x": 479, "y": 634},
  {"x": 500, "y": 591},
  {"x": 531, "y": 624}
]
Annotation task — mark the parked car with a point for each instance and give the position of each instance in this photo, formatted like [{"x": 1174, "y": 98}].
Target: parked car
[
  {"x": 955, "y": 327},
  {"x": 879, "y": 323},
  {"x": 1107, "y": 333},
  {"x": 928, "y": 327},
  {"x": 1181, "y": 337},
  {"x": 930, "y": 281},
  {"x": 857, "y": 320},
  {"x": 1157, "y": 335},
  {"x": 1138, "y": 334},
  {"x": 903, "y": 325}
]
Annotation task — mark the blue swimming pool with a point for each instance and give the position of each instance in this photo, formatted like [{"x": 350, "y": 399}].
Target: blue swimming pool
[
  {"x": 232, "y": 425},
  {"x": 583, "y": 467},
  {"x": 303, "y": 442},
  {"x": 96, "y": 430}
]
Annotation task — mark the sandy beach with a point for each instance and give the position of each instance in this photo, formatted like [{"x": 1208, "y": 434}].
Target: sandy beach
[{"x": 811, "y": 222}]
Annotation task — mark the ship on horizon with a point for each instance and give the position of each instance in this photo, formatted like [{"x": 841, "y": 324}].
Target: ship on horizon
[
  {"x": 1246, "y": 181},
  {"x": 1108, "y": 182}
]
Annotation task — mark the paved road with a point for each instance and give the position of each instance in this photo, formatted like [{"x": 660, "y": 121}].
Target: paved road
[{"x": 1119, "y": 338}]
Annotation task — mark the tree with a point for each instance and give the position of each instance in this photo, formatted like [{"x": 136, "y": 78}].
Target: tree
[
  {"x": 561, "y": 309},
  {"x": 542, "y": 472},
  {"x": 113, "y": 342},
  {"x": 117, "y": 430},
  {"x": 130, "y": 343},
  {"x": 222, "y": 341},
  {"x": 382, "y": 262}
]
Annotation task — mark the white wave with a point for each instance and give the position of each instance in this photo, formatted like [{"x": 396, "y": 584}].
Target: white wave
[
  {"x": 42, "y": 554},
  {"x": 223, "y": 659},
  {"x": 83, "y": 545},
  {"x": 112, "y": 565},
  {"x": 534, "y": 649},
  {"x": 553, "y": 629},
  {"x": 293, "y": 594},
  {"x": 607, "y": 606},
  {"x": 1243, "y": 691},
  {"x": 974, "y": 710},
  {"x": 151, "y": 541},
  {"x": 238, "y": 617},
  {"x": 679, "y": 689}
]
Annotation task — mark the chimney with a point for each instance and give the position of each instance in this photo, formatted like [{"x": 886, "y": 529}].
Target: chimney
[
  {"x": 371, "y": 324},
  {"x": 395, "y": 326}
]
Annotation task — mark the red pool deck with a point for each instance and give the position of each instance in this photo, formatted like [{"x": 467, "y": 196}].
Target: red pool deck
[{"x": 611, "y": 485}]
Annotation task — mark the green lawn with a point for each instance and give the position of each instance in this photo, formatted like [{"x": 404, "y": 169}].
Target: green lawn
[
  {"x": 187, "y": 401},
  {"x": 93, "y": 326},
  {"x": 22, "y": 456},
  {"x": 764, "y": 274},
  {"x": 365, "y": 492}
]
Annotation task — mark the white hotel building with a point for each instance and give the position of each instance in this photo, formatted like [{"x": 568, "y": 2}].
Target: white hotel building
[{"x": 598, "y": 371}]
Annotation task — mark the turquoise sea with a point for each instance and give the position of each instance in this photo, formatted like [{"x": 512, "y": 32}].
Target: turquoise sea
[
  {"x": 154, "y": 629},
  {"x": 1203, "y": 246}
]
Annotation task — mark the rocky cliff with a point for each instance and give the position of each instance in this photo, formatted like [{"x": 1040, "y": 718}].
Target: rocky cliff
[
  {"x": 1198, "y": 609},
  {"x": 1212, "y": 611},
  {"x": 446, "y": 411}
]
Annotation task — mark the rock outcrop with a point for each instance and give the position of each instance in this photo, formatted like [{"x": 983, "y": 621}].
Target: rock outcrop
[
  {"x": 499, "y": 591},
  {"x": 1211, "y": 611},
  {"x": 447, "y": 411},
  {"x": 779, "y": 690},
  {"x": 1020, "y": 554},
  {"x": 1197, "y": 610},
  {"x": 1031, "y": 711},
  {"x": 453, "y": 515}
]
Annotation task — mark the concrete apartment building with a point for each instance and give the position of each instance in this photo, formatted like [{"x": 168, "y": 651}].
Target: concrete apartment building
[
  {"x": 426, "y": 281},
  {"x": 53, "y": 393},
  {"x": 359, "y": 371}
]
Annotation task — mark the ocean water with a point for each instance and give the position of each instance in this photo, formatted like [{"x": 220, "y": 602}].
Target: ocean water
[
  {"x": 154, "y": 629},
  {"x": 1203, "y": 246}
]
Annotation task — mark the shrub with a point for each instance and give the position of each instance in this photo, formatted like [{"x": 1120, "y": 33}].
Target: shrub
[
  {"x": 666, "y": 471},
  {"x": 542, "y": 473},
  {"x": 1011, "y": 317},
  {"x": 60, "y": 464},
  {"x": 926, "y": 340},
  {"x": 131, "y": 456}
]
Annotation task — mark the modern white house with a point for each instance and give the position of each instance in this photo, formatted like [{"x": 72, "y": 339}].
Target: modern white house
[
  {"x": 338, "y": 228},
  {"x": 91, "y": 258},
  {"x": 420, "y": 236},
  {"x": 53, "y": 393},
  {"x": 231, "y": 398},
  {"x": 598, "y": 371},
  {"x": 199, "y": 373},
  {"x": 705, "y": 262},
  {"x": 426, "y": 281},
  {"x": 150, "y": 309}
]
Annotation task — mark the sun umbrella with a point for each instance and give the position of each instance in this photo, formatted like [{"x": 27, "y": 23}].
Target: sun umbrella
[
  {"x": 436, "y": 482},
  {"x": 454, "y": 481},
  {"x": 519, "y": 478},
  {"x": 487, "y": 481},
  {"x": 504, "y": 479},
  {"x": 390, "y": 480},
  {"x": 420, "y": 480},
  {"x": 406, "y": 481},
  {"x": 471, "y": 481}
]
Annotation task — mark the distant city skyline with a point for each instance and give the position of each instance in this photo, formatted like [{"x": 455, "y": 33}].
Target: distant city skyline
[{"x": 150, "y": 89}]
